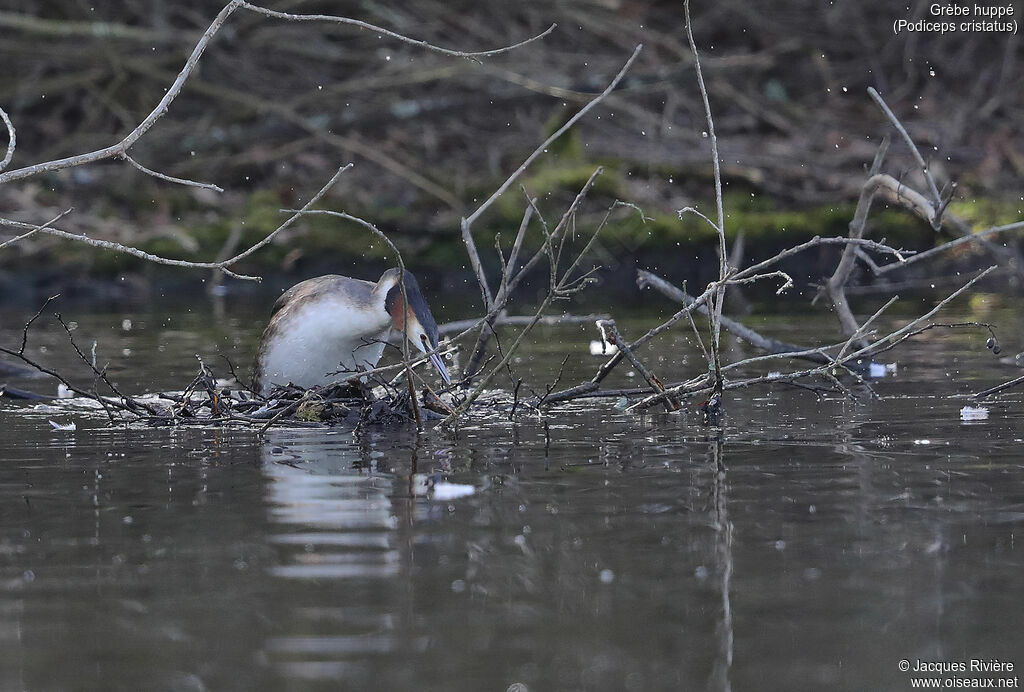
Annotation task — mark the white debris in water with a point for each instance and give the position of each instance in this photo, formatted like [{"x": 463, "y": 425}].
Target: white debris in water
[
  {"x": 63, "y": 426},
  {"x": 452, "y": 491},
  {"x": 63, "y": 392},
  {"x": 602, "y": 348},
  {"x": 922, "y": 442},
  {"x": 263, "y": 410},
  {"x": 773, "y": 374},
  {"x": 974, "y": 413},
  {"x": 607, "y": 576},
  {"x": 877, "y": 370}
]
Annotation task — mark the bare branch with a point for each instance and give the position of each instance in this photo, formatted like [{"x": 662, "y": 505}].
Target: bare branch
[
  {"x": 170, "y": 178},
  {"x": 36, "y": 229},
  {"x": 999, "y": 387},
  {"x": 391, "y": 34},
  {"x": 694, "y": 387},
  {"x": 610, "y": 334},
  {"x": 913, "y": 200},
  {"x": 862, "y": 329},
  {"x": 787, "y": 280},
  {"x": 932, "y": 187},
  {"x": 117, "y": 247},
  {"x": 135, "y": 252},
  {"x": 694, "y": 210},
  {"x": 927, "y": 254},
  {"x": 294, "y": 217},
  {"x": 558, "y": 133},
  {"x": 718, "y": 298},
  {"x": 818, "y": 241},
  {"x": 12, "y": 139},
  {"x": 142, "y": 128},
  {"x": 122, "y": 147},
  {"x": 502, "y": 320},
  {"x": 773, "y": 346}
]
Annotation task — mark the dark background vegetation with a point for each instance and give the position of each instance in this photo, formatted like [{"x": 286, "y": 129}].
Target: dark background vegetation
[{"x": 276, "y": 107}]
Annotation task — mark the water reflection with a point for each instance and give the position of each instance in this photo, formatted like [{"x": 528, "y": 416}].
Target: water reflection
[
  {"x": 336, "y": 511},
  {"x": 723, "y": 555},
  {"x": 379, "y": 577}
]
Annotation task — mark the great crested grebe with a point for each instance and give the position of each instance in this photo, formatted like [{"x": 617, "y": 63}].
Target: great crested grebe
[{"x": 322, "y": 328}]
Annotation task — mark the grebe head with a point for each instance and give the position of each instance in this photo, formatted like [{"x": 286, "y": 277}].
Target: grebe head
[{"x": 422, "y": 329}]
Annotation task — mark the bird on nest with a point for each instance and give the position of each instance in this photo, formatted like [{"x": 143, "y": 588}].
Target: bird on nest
[{"x": 323, "y": 328}]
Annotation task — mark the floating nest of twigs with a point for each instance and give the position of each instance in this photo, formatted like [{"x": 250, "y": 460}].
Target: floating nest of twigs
[{"x": 209, "y": 401}]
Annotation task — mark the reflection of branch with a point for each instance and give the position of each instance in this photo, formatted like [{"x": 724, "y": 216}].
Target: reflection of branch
[{"x": 724, "y": 559}]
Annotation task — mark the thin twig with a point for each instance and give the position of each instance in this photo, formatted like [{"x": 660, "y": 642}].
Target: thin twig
[
  {"x": 558, "y": 133},
  {"x": 999, "y": 387},
  {"x": 933, "y": 188},
  {"x": 12, "y": 140},
  {"x": 122, "y": 147},
  {"x": 718, "y": 298},
  {"x": 610, "y": 334},
  {"x": 773, "y": 346},
  {"x": 35, "y": 229},
  {"x": 391, "y": 34},
  {"x": 221, "y": 265},
  {"x": 142, "y": 128},
  {"x": 170, "y": 178},
  {"x": 927, "y": 254}
]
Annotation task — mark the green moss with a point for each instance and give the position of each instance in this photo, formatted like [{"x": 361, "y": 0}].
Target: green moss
[
  {"x": 761, "y": 227},
  {"x": 570, "y": 144},
  {"x": 983, "y": 213},
  {"x": 556, "y": 178}
]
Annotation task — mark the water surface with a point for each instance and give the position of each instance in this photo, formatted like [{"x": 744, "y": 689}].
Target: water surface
[{"x": 812, "y": 544}]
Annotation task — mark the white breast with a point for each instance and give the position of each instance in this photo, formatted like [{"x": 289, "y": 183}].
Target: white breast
[{"x": 323, "y": 337}]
